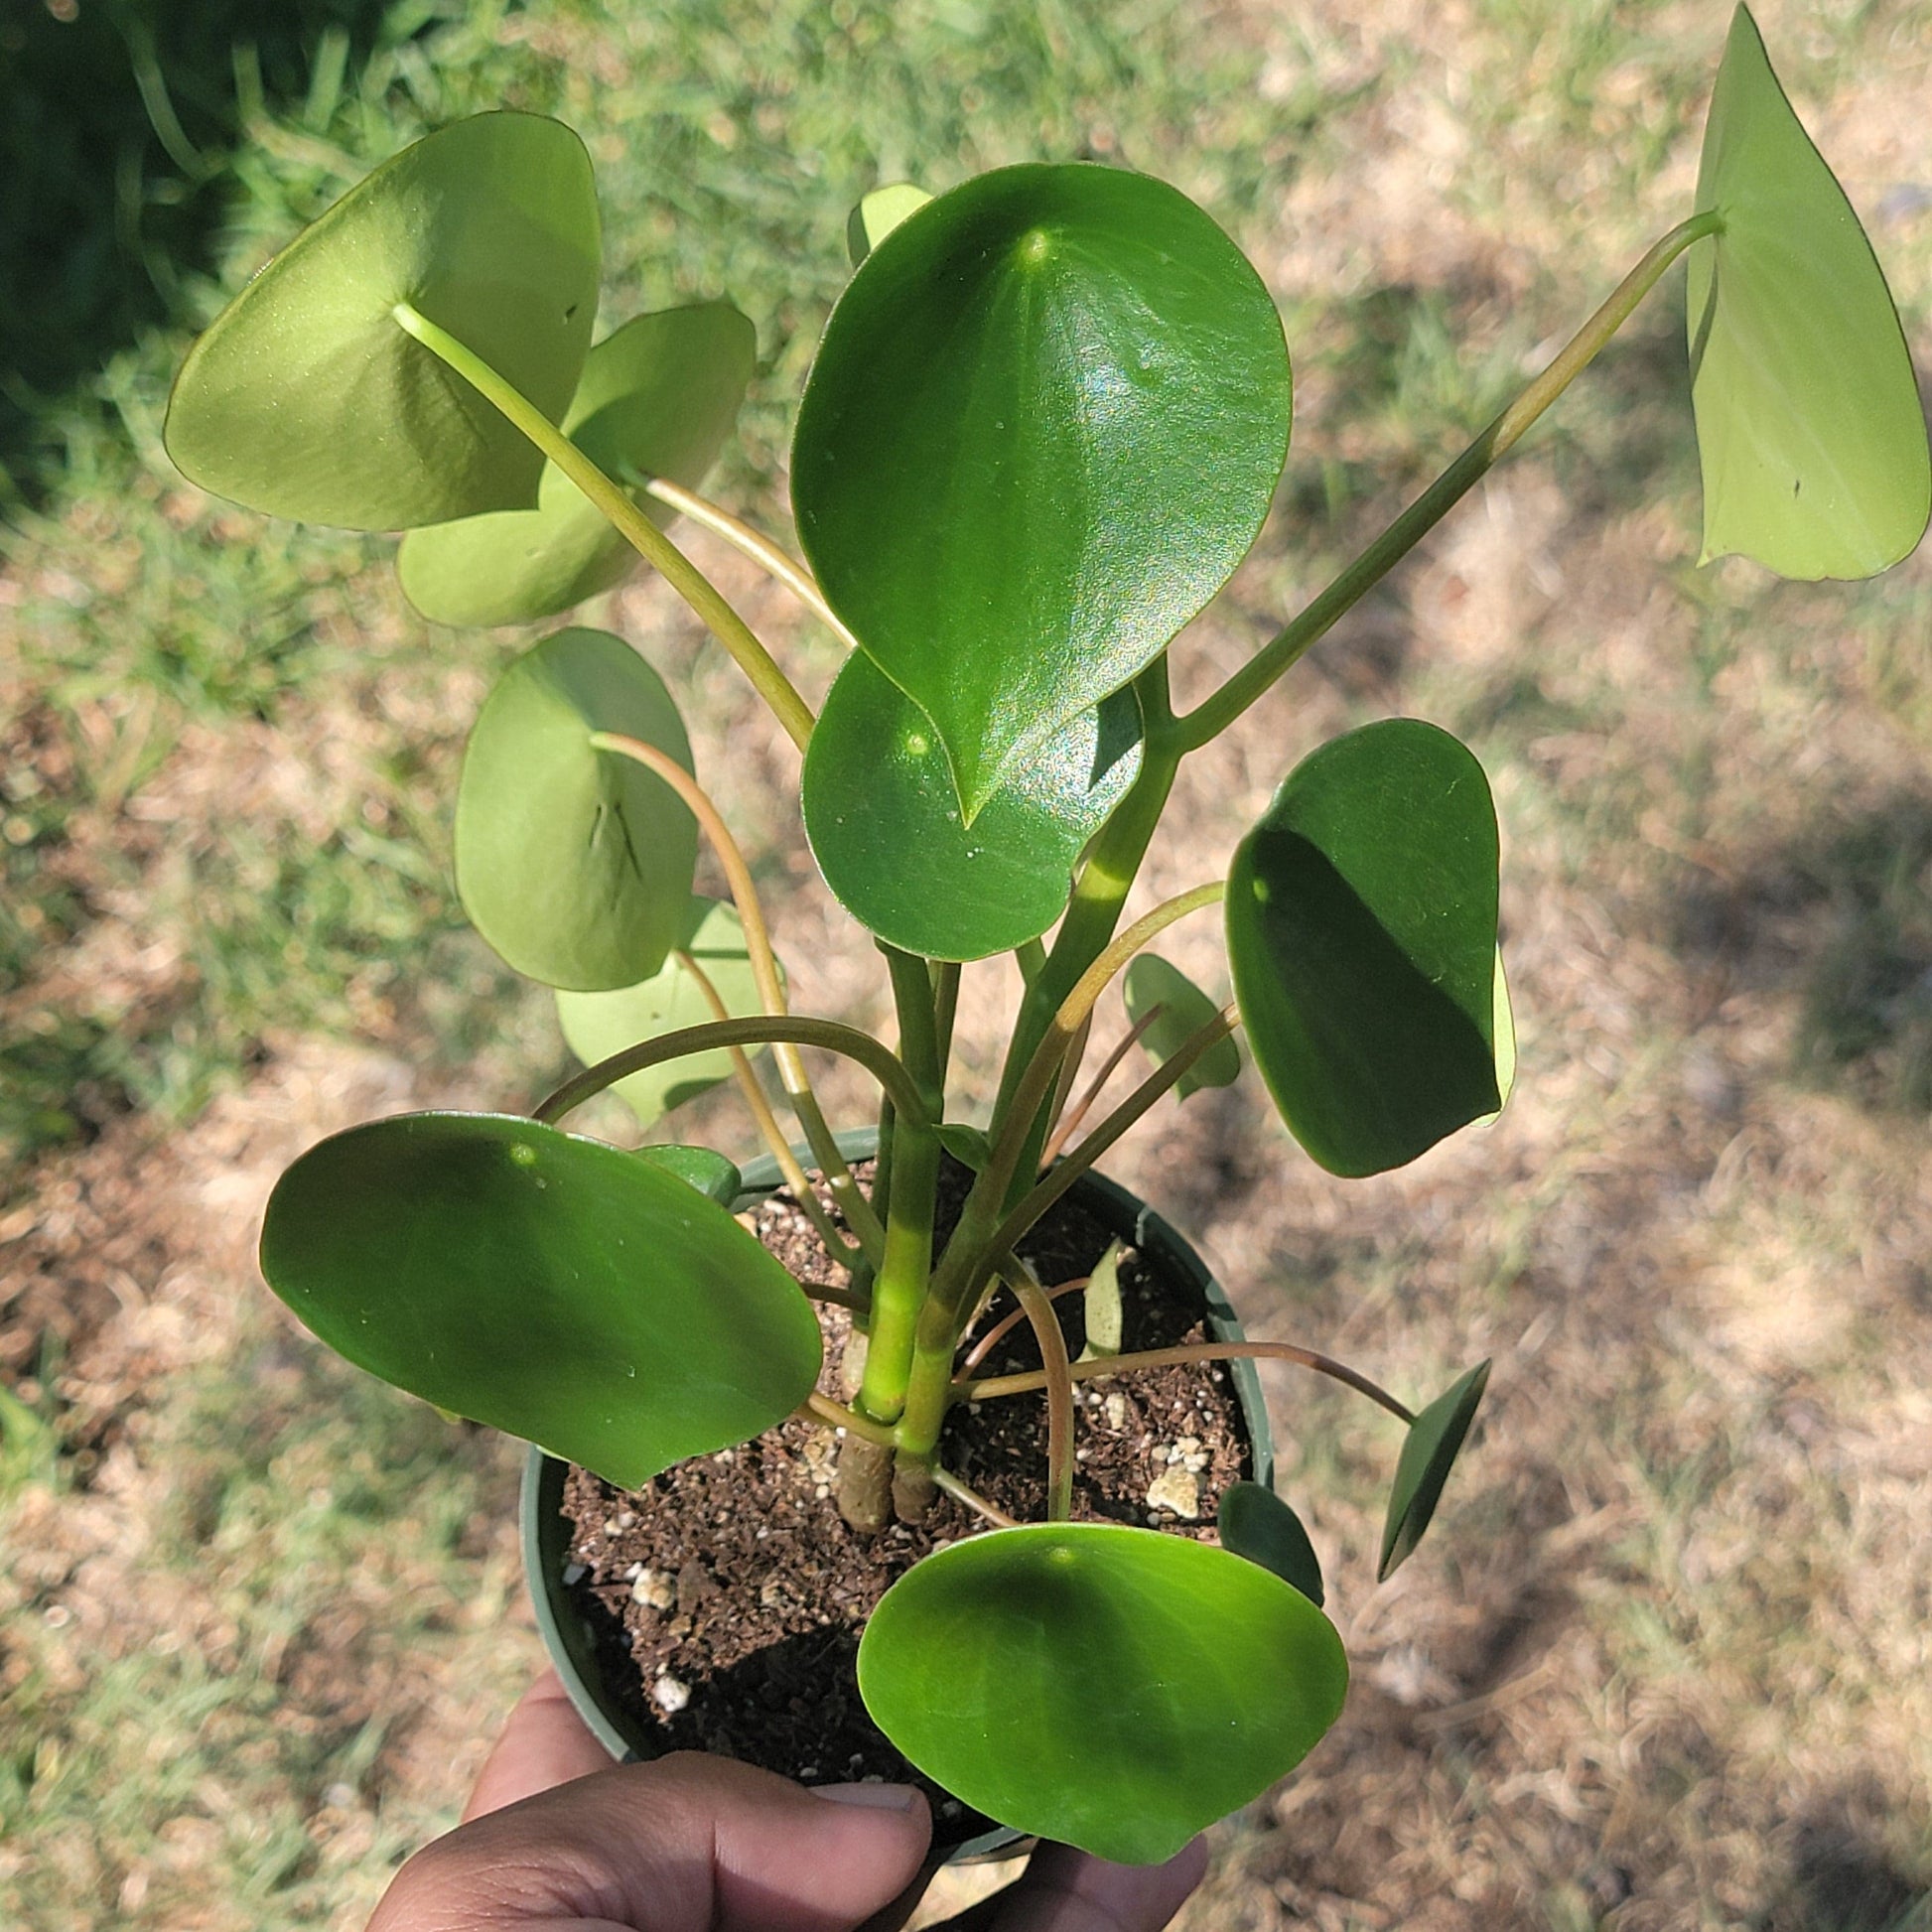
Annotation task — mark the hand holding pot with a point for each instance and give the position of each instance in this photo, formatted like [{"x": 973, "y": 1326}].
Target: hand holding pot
[{"x": 555, "y": 1836}]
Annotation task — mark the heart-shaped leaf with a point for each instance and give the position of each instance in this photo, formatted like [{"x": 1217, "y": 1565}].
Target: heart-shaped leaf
[
  {"x": 885, "y": 827},
  {"x": 714, "y": 1177},
  {"x": 551, "y": 1286},
  {"x": 575, "y": 864},
  {"x": 1044, "y": 425},
  {"x": 1111, "y": 1688},
  {"x": 878, "y": 214},
  {"x": 657, "y": 399},
  {"x": 1184, "y": 1009},
  {"x": 1429, "y": 1452},
  {"x": 597, "y": 1025},
  {"x": 306, "y": 399},
  {"x": 1810, "y": 430},
  {"x": 1255, "y": 1523},
  {"x": 1361, "y": 923}
]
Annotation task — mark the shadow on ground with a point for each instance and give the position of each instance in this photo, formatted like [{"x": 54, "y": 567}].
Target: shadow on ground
[{"x": 116, "y": 121}]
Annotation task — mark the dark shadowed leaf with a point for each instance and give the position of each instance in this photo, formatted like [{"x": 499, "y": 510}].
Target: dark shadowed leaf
[
  {"x": 1429, "y": 1452},
  {"x": 1255, "y": 1523},
  {"x": 597, "y": 1025},
  {"x": 306, "y": 399},
  {"x": 886, "y": 830},
  {"x": 659, "y": 399},
  {"x": 1362, "y": 923},
  {"x": 1184, "y": 1009},
  {"x": 1044, "y": 424},
  {"x": 1810, "y": 430},
  {"x": 552, "y": 1285},
  {"x": 1109, "y": 1688},
  {"x": 575, "y": 864}
]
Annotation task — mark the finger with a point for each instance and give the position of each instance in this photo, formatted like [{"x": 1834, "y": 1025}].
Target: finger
[
  {"x": 544, "y": 1744},
  {"x": 687, "y": 1844},
  {"x": 1064, "y": 1891}
]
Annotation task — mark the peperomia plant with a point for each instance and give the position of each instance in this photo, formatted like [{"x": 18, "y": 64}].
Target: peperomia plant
[{"x": 1045, "y": 423}]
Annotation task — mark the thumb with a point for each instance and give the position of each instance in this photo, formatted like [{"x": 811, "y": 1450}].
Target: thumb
[{"x": 686, "y": 1843}]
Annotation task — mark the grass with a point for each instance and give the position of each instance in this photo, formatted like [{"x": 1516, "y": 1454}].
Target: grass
[{"x": 1662, "y": 1663}]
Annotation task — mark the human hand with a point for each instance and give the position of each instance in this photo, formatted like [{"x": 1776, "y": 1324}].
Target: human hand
[{"x": 555, "y": 1838}]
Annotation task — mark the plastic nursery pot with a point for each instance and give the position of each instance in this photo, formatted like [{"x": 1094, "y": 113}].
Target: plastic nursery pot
[{"x": 546, "y": 1531}]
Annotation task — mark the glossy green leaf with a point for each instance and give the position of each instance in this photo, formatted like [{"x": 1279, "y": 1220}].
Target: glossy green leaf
[
  {"x": 575, "y": 864},
  {"x": 1256, "y": 1524},
  {"x": 1111, "y": 1688},
  {"x": 966, "y": 1144},
  {"x": 1429, "y": 1452},
  {"x": 885, "y": 827},
  {"x": 714, "y": 1177},
  {"x": 1810, "y": 430},
  {"x": 1361, "y": 923},
  {"x": 878, "y": 214},
  {"x": 597, "y": 1025},
  {"x": 1184, "y": 1009},
  {"x": 551, "y": 1286},
  {"x": 1044, "y": 424},
  {"x": 657, "y": 399},
  {"x": 306, "y": 399},
  {"x": 1503, "y": 1031}
]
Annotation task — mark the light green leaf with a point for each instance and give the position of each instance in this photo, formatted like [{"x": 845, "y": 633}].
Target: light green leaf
[
  {"x": 1109, "y": 1688},
  {"x": 575, "y": 864},
  {"x": 597, "y": 1025},
  {"x": 885, "y": 827},
  {"x": 1257, "y": 1524},
  {"x": 306, "y": 399},
  {"x": 657, "y": 399},
  {"x": 1810, "y": 430},
  {"x": 966, "y": 1144},
  {"x": 1361, "y": 923},
  {"x": 1184, "y": 1009},
  {"x": 878, "y": 214},
  {"x": 1045, "y": 423},
  {"x": 1429, "y": 1452},
  {"x": 548, "y": 1284},
  {"x": 1100, "y": 1306}
]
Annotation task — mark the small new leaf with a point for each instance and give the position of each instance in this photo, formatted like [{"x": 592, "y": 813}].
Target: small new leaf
[{"x": 1429, "y": 1452}]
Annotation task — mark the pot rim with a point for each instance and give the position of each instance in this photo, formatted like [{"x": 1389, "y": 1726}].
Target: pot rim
[{"x": 566, "y": 1637}]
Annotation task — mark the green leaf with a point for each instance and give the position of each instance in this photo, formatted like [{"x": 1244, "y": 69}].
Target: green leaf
[
  {"x": 878, "y": 214},
  {"x": 1111, "y": 1688},
  {"x": 1429, "y": 1452},
  {"x": 1361, "y": 923},
  {"x": 1810, "y": 430},
  {"x": 714, "y": 1177},
  {"x": 575, "y": 864},
  {"x": 966, "y": 1144},
  {"x": 1256, "y": 1524},
  {"x": 551, "y": 1286},
  {"x": 1184, "y": 1009},
  {"x": 657, "y": 399},
  {"x": 1100, "y": 1306},
  {"x": 1045, "y": 423},
  {"x": 306, "y": 399},
  {"x": 885, "y": 827},
  {"x": 597, "y": 1025}
]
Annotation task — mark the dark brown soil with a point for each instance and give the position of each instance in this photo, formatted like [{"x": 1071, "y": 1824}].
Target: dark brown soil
[{"x": 739, "y": 1594}]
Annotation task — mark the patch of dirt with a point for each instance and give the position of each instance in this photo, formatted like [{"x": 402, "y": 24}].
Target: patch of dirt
[{"x": 730, "y": 1595}]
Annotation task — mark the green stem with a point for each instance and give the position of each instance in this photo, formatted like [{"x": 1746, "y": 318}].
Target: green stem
[
  {"x": 1216, "y": 713},
  {"x": 899, "y": 1291},
  {"x": 643, "y": 536},
  {"x": 759, "y": 1031},
  {"x": 748, "y": 542},
  {"x": 1188, "y": 1351}
]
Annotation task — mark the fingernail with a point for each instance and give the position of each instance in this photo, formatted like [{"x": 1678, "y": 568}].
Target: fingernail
[{"x": 875, "y": 1797}]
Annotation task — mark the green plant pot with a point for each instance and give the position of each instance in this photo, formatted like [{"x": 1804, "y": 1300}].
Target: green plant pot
[{"x": 546, "y": 1531}]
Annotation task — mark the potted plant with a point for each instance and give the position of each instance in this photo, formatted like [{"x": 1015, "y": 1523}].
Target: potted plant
[{"x": 1045, "y": 423}]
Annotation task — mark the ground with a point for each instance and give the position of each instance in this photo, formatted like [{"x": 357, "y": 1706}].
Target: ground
[{"x": 1662, "y": 1662}]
